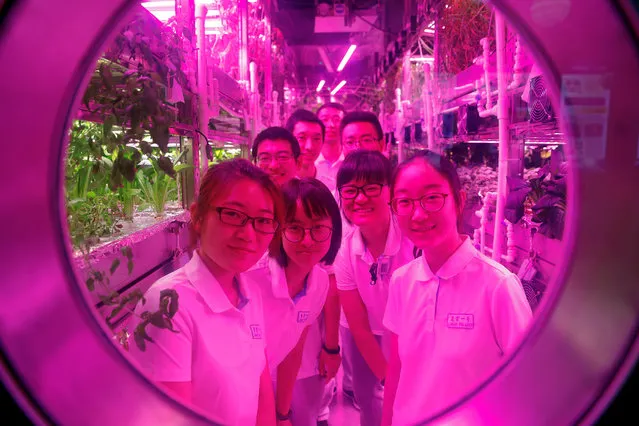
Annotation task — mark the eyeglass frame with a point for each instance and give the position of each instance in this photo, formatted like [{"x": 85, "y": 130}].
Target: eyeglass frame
[
  {"x": 360, "y": 189},
  {"x": 246, "y": 219},
  {"x": 277, "y": 157},
  {"x": 359, "y": 141},
  {"x": 394, "y": 209},
  {"x": 310, "y": 230}
]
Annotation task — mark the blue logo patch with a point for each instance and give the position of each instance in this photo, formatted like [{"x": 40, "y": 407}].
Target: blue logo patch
[
  {"x": 302, "y": 316},
  {"x": 256, "y": 331}
]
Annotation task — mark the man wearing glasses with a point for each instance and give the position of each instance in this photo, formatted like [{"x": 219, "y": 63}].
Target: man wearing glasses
[
  {"x": 331, "y": 157},
  {"x": 309, "y": 132},
  {"x": 276, "y": 151},
  {"x": 361, "y": 130}
]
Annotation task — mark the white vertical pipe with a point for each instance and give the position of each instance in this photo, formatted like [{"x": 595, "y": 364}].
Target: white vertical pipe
[
  {"x": 254, "y": 105},
  {"x": 276, "y": 109},
  {"x": 428, "y": 106},
  {"x": 518, "y": 76},
  {"x": 268, "y": 53},
  {"x": 398, "y": 126},
  {"x": 485, "y": 43},
  {"x": 504, "y": 134},
  {"x": 242, "y": 9},
  {"x": 202, "y": 73}
]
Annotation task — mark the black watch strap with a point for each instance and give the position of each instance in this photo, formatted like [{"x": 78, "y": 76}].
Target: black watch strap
[
  {"x": 282, "y": 417},
  {"x": 331, "y": 351}
]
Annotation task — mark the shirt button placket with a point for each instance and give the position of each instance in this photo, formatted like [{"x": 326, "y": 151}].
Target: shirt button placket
[{"x": 431, "y": 303}]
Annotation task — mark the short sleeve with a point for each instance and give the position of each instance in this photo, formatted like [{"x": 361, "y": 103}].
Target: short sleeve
[
  {"x": 510, "y": 311},
  {"x": 343, "y": 267},
  {"x": 168, "y": 357},
  {"x": 392, "y": 320}
]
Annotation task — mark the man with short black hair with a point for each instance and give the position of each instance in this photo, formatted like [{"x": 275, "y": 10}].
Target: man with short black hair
[
  {"x": 276, "y": 151},
  {"x": 361, "y": 130},
  {"x": 309, "y": 132},
  {"x": 331, "y": 157}
]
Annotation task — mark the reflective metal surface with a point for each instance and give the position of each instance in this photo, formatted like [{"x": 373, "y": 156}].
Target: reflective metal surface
[{"x": 55, "y": 348}]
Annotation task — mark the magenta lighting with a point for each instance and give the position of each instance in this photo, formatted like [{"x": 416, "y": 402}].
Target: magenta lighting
[
  {"x": 347, "y": 56},
  {"x": 339, "y": 86},
  {"x": 320, "y": 85}
]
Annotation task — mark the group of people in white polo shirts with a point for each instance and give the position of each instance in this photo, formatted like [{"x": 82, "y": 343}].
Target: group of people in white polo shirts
[{"x": 319, "y": 256}]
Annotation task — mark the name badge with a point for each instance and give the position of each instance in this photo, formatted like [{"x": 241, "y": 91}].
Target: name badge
[
  {"x": 256, "y": 331},
  {"x": 302, "y": 316},
  {"x": 465, "y": 321}
]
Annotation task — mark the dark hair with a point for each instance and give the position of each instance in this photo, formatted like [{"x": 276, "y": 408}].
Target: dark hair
[
  {"x": 362, "y": 117},
  {"x": 317, "y": 200},
  {"x": 444, "y": 167},
  {"x": 333, "y": 105},
  {"x": 365, "y": 165},
  {"x": 276, "y": 134},
  {"x": 305, "y": 116},
  {"x": 226, "y": 174}
]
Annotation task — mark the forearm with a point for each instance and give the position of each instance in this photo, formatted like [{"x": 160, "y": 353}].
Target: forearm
[
  {"x": 331, "y": 315},
  {"x": 266, "y": 401},
  {"x": 287, "y": 375},
  {"x": 370, "y": 349},
  {"x": 390, "y": 390}
]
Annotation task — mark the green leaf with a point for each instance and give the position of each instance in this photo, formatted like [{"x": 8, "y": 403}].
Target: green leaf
[
  {"x": 160, "y": 135},
  {"x": 146, "y": 147},
  {"x": 115, "y": 311},
  {"x": 129, "y": 266},
  {"x": 114, "y": 265},
  {"x": 109, "y": 122},
  {"x": 169, "y": 302},
  {"x": 90, "y": 284},
  {"x": 180, "y": 167},
  {"x": 126, "y": 252},
  {"x": 166, "y": 165}
]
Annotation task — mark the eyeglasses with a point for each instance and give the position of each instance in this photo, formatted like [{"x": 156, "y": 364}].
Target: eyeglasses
[
  {"x": 264, "y": 225},
  {"x": 296, "y": 234},
  {"x": 430, "y": 203},
  {"x": 364, "y": 141},
  {"x": 371, "y": 190},
  {"x": 373, "y": 272},
  {"x": 265, "y": 159}
]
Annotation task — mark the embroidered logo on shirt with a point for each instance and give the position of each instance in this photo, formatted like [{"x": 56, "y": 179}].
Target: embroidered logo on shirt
[
  {"x": 302, "y": 316},
  {"x": 256, "y": 331},
  {"x": 466, "y": 321}
]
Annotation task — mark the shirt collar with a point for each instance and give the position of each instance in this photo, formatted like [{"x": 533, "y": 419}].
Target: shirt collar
[
  {"x": 321, "y": 159},
  {"x": 453, "y": 266},
  {"x": 279, "y": 284},
  {"x": 209, "y": 288},
  {"x": 393, "y": 240}
]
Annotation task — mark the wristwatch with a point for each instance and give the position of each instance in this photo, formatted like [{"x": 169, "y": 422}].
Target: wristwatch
[
  {"x": 286, "y": 416},
  {"x": 331, "y": 351}
]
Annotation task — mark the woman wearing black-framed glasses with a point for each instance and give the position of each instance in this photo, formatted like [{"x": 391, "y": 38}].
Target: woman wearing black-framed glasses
[
  {"x": 370, "y": 253},
  {"x": 301, "y": 351}
]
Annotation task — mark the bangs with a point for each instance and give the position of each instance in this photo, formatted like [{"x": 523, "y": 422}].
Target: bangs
[
  {"x": 364, "y": 166},
  {"x": 313, "y": 201}
]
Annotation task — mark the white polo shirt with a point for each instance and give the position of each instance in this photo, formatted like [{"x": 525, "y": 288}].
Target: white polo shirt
[
  {"x": 352, "y": 270},
  {"x": 218, "y": 348},
  {"x": 453, "y": 328},
  {"x": 327, "y": 172},
  {"x": 286, "y": 317}
]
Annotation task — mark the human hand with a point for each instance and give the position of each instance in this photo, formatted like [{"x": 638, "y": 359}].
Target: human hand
[{"x": 329, "y": 364}]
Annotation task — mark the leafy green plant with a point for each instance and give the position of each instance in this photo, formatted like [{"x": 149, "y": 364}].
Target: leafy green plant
[
  {"x": 546, "y": 194},
  {"x": 155, "y": 190},
  {"x": 100, "y": 282},
  {"x": 128, "y": 195},
  {"x": 93, "y": 217}
]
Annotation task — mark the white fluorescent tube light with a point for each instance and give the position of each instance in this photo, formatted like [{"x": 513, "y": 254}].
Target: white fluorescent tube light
[
  {"x": 339, "y": 86},
  {"x": 320, "y": 85},
  {"x": 347, "y": 56}
]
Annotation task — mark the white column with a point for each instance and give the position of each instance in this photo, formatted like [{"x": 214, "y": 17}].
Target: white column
[
  {"x": 427, "y": 99},
  {"x": 398, "y": 126},
  {"x": 202, "y": 87},
  {"x": 504, "y": 134}
]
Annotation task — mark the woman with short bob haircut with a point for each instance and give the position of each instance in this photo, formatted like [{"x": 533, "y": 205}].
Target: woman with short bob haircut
[{"x": 295, "y": 291}]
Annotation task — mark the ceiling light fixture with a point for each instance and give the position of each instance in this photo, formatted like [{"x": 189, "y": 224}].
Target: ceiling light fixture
[
  {"x": 347, "y": 56},
  {"x": 320, "y": 85},
  {"x": 339, "y": 86}
]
